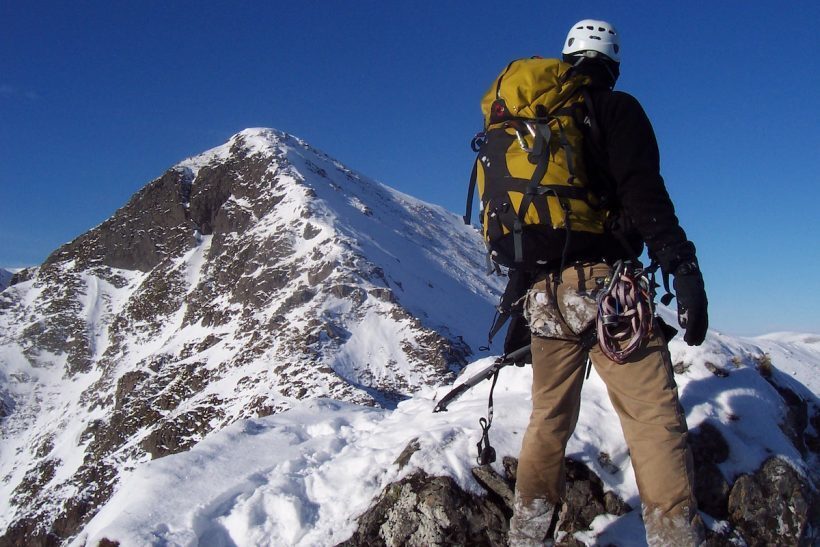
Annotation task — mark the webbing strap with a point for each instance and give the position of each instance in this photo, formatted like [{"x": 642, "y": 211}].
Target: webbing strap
[
  {"x": 518, "y": 239},
  {"x": 568, "y": 229},
  {"x": 499, "y": 321},
  {"x": 470, "y": 193},
  {"x": 562, "y": 138},
  {"x": 593, "y": 120},
  {"x": 486, "y": 453},
  {"x": 667, "y": 298},
  {"x": 559, "y": 191},
  {"x": 532, "y": 191}
]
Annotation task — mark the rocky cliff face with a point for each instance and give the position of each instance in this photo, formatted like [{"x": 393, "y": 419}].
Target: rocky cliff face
[{"x": 256, "y": 274}]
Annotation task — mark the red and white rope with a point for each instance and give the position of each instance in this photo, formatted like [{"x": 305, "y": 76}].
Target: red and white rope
[{"x": 625, "y": 315}]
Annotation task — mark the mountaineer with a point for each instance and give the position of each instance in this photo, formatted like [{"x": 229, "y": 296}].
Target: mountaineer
[{"x": 568, "y": 172}]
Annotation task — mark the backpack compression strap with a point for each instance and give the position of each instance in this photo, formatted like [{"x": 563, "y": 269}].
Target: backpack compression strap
[
  {"x": 535, "y": 188},
  {"x": 475, "y": 144},
  {"x": 470, "y": 192}
]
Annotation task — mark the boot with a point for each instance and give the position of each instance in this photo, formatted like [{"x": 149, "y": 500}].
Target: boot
[
  {"x": 531, "y": 522},
  {"x": 672, "y": 530}
]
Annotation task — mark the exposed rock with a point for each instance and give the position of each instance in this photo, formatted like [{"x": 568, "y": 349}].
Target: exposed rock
[
  {"x": 152, "y": 226},
  {"x": 716, "y": 370},
  {"x": 483, "y": 520},
  {"x": 709, "y": 448},
  {"x": 584, "y": 499},
  {"x": 614, "y": 505},
  {"x": 404, "y": 458},
  {"x": 605, "y": 461},
  {"x": 172, "y": 436},
  {"x": 774, "y": 506},
  {"x": 426, "y": 511},
  {"x": 495, "y": 484},
  {"x": 510, "y": 468},
  {"x": 22, "y": 276},
  {"x": 681, "y": 367},
  {"x": 311, "y": 231},
  {"x": 797, "y": 416}
]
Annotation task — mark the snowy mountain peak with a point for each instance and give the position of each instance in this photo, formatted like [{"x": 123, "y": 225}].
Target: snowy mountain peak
[
  {"x": 251, "y": 141},
  {"x": 244, "y": 279}
]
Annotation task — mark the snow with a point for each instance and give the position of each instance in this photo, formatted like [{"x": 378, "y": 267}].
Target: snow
[{"x": 302, "y": 477}]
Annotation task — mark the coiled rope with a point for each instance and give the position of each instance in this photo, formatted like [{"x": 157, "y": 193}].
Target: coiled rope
[{"x": 625, "y": 313}]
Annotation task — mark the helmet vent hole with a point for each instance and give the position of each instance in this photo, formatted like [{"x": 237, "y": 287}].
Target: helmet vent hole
[
  {"x": 590, "y": 27},
  {"x": 601, "y": 29}
]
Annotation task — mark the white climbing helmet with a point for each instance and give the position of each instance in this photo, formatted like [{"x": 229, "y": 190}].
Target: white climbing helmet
[{"x": 589, "y": 36}]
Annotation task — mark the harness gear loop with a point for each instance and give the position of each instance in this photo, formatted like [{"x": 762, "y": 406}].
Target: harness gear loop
[{"x": 625, "y": 311}]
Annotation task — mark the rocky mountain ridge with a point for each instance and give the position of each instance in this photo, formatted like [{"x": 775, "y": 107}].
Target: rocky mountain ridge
[{"x": 256, "y": 274}]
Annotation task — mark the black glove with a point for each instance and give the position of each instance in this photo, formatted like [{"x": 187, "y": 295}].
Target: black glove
[{"x": 692, "y": 302}]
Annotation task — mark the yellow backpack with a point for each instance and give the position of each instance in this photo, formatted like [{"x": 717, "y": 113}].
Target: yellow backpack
[{"x": 529, "y": 171}]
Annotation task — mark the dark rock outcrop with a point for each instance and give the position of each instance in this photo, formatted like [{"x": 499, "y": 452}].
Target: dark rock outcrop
[
  {"x": 152, "y": 226},
  {"x": 424, "y": 511},
  {"x": 709, "y": 449},
  {"x": 774, "y": 506}
]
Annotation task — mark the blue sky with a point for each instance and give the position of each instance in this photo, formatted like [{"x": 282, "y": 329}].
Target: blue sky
[{"x": 98, "y": 98}]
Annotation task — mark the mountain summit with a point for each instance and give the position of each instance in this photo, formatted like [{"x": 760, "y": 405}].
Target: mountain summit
[{"x": 257, "y": 274}]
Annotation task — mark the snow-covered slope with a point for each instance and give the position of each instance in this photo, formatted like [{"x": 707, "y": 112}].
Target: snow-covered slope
[
  {"x": 244, "y": 280},
  {"x": 302, "y": 477},
  {"x": 5, "y": 278}
]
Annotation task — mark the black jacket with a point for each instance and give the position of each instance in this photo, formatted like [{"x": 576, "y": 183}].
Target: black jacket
[{"x": 622, "y": 159}]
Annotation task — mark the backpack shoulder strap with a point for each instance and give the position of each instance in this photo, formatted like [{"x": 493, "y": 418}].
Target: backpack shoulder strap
[
  {"x": 604, "y": 188},
  {"x": 595, "y": 129}
]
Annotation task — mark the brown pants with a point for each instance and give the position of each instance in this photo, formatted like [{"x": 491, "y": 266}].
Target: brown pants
[{"x": 644, "y": 395}]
